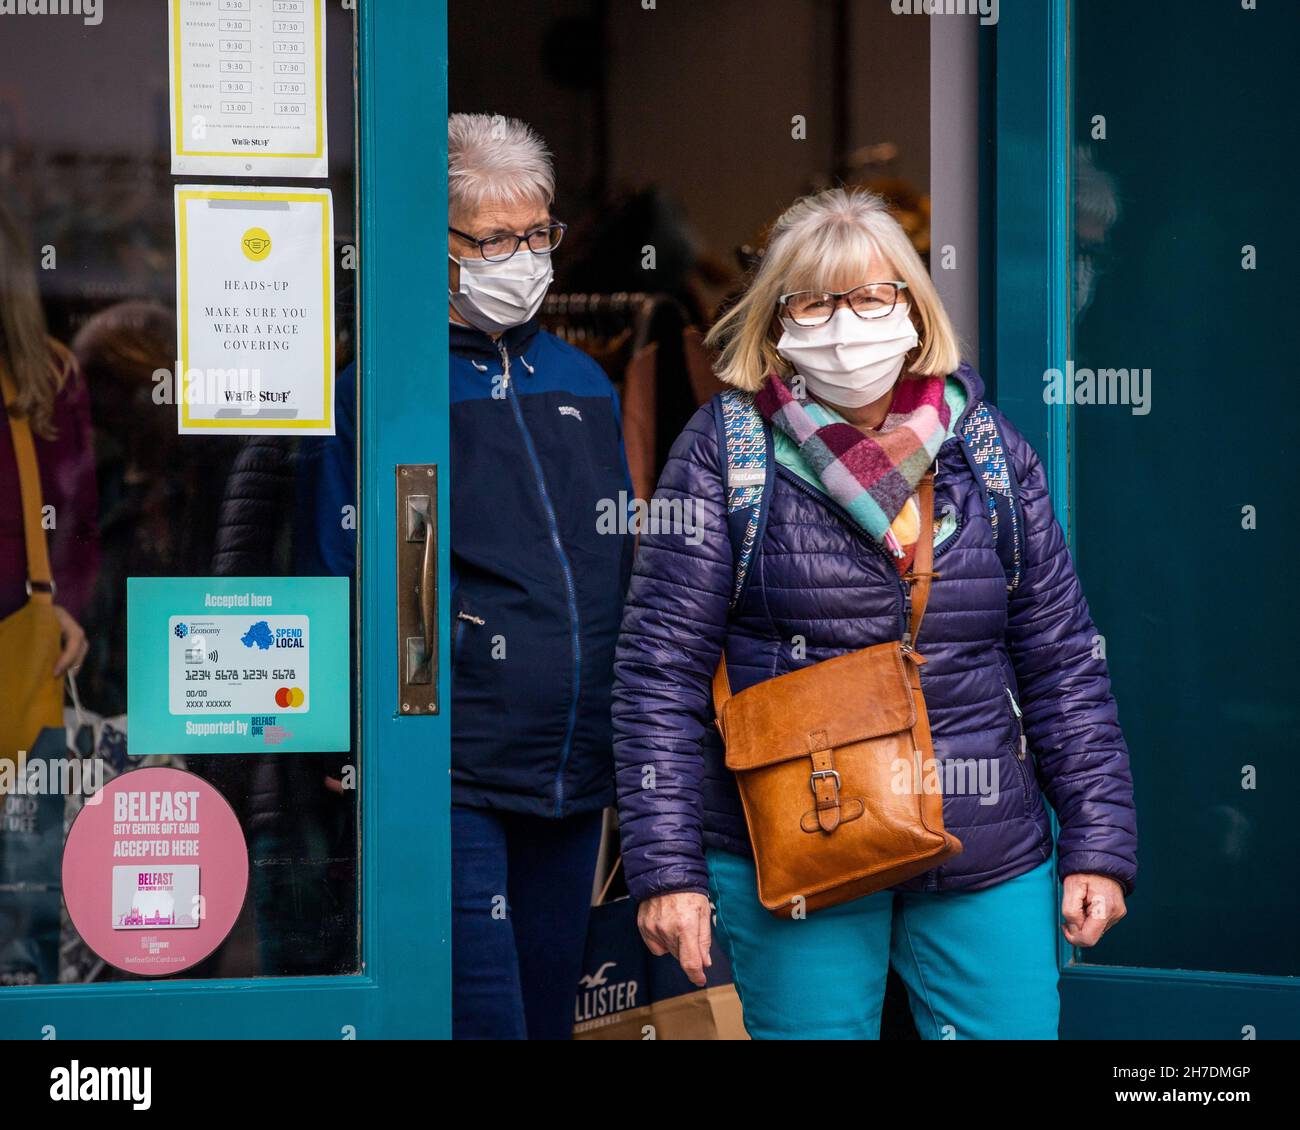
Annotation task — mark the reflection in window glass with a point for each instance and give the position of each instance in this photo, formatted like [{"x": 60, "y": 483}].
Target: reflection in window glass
[
  {"x": 1181, "y": 489},
  {"x": 88, "y": 328}
]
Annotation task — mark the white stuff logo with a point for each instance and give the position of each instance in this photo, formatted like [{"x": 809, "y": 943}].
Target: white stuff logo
[
  {"x": 91, "y": 11},
  {"x": 570, "y": 410},
  {"x": 600, "y": 998}
]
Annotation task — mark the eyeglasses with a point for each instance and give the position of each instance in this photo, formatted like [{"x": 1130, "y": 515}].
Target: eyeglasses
[
  {"x": 498, "y": 248},
  {"x": 817, "y": 307}
]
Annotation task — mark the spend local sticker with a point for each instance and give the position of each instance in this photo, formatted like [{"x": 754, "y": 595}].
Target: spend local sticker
[
  {"x": 238, "y": 665},
  {"x": 246, "y": 664}
]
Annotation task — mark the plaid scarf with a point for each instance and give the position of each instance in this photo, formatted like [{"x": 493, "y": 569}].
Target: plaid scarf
[{"x": 871, "y": 476}]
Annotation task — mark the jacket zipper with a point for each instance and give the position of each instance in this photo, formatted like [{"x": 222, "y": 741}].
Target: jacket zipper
[
  {"x": 462, "y": 618},
  {"x": 565, "y": 568},
  {"x": 1022, "y": 747}
]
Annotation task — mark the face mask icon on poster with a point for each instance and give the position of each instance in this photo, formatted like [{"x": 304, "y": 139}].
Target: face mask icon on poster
[
  {"x": 496, "y": 296},
  {"x": 849, "y": 361}
]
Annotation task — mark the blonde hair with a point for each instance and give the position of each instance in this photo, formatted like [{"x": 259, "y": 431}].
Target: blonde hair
[
  {"x": 39, "y": 365},
  {"x": 817, "y": 240}
]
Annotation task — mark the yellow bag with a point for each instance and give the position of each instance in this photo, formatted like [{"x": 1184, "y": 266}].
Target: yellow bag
[{"x": 31, "y": 698}]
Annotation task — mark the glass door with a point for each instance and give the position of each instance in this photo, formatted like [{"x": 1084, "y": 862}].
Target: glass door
[
  {"x": 237, "y": 412},
  {"x": 1150, "y": 374}
]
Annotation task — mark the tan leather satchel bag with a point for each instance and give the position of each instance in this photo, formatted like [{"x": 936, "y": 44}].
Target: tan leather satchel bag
[
  {"x": 31, "y": 698},
  {"x": 835, "y": 766}
]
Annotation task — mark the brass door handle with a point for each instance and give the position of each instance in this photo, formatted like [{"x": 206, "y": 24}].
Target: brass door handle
[
  {"x": 426, "y": 588},
  {"x": 417, "y": 588}
]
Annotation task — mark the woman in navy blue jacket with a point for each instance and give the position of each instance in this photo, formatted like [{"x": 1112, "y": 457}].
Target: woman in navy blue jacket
[{"x": 841, "y": 325}]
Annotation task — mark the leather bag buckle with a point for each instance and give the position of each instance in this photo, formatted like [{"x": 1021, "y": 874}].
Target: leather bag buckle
[{"x": 823, "y": 773}]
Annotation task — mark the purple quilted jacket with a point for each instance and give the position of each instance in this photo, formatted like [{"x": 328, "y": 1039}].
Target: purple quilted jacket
[{"x": 998, "y": 667}]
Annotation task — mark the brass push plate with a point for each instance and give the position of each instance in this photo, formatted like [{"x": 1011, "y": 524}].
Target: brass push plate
[{"x": 417, "y": 588}]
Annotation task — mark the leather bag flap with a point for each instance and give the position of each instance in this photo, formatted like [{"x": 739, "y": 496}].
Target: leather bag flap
[{"x": 848, "y": 699}]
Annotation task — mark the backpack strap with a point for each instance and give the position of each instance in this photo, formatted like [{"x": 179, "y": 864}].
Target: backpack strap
[
  {"x": 745, "y": 442},
  {"x": 988, "y": 455}
]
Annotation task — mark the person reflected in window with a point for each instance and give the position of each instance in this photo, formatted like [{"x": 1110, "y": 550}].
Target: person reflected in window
[
  {"x": 46, "y": 389},
  {"x": 151, "y": 521}
]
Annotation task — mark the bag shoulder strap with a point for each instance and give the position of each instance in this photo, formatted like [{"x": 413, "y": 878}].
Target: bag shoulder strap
[
  {"x": 922, "y": 571},
  {"x": 988, "y": 455},
  {"x": 745, "y": 443},
  {"x": 39, "y": 577}
]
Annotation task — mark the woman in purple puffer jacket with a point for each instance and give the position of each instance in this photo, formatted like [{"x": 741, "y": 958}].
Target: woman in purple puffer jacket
[{"x": 855, "y": 369}]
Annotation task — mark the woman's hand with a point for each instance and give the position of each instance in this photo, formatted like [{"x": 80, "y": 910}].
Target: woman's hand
[
  {"x": 679, "y": 924},
  {"x": 75, "y": 644},
  {"x": 1090, "y": 905}
]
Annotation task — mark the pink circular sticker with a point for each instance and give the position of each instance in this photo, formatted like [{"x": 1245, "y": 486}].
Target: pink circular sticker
[{"x": 155, "y": 870}]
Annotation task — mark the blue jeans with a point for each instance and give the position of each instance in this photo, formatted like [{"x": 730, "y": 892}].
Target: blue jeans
[
  {"x": 978, "y": 965},
  {"x": 521, "y": 896}
]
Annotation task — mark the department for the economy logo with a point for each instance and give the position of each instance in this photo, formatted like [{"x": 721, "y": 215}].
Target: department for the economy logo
[{"x": 181, "y": 630}]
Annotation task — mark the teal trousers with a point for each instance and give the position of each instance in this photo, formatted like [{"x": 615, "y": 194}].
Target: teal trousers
[{"x": 978, "y": 965}]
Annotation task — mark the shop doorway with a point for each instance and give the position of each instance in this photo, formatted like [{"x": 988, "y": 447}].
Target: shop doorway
[{"x": 264, "y": 696}]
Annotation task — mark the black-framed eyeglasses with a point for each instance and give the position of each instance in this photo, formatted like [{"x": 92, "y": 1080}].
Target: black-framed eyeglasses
[
  {"x": 498, "y": 248},
  {"x": 817, "y": 307}
]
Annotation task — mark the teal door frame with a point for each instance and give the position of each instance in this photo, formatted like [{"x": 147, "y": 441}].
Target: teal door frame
[
  {"x": 404, "y": 987},
  {"x": 1032, "y": 303}
]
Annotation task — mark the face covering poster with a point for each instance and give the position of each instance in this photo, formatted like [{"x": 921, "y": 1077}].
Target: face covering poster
[
  {"x": 255, "y": 310},
  {"x": 248, "y": 88}
]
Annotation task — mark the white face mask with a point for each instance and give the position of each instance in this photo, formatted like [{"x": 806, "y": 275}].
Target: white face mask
[
  {"x": 849, "y": 361},
  {"x": 495, "y": 297}
]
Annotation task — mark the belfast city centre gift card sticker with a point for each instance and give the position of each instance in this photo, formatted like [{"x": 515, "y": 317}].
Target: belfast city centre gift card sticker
[
  {"x": 237, "y": 665},
  {"x": 155, "y": 871}
]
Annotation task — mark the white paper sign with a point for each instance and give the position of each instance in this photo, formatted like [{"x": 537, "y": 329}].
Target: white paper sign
[
  {"x": 245, "y": 664},
  {"x": 248, "y": 88},
  {"x": 255, "y": 310}
]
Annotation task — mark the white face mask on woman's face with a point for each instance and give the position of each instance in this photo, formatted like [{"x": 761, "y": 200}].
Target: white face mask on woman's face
[
  {"x": 495, "y": 297},
  {"x": 849, "y": 361}
]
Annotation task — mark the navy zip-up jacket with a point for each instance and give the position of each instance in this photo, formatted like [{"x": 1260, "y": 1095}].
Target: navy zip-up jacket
[
  {"x": 1014, "y": 685},
  {"x": 538, "y": 578}
]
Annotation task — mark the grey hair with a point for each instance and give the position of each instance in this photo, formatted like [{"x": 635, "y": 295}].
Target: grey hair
[{"x": 494, "y": 159}]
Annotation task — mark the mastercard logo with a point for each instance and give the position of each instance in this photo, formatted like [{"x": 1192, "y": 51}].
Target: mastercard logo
[{"x": 289, "y": 698}]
